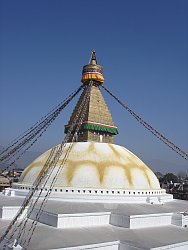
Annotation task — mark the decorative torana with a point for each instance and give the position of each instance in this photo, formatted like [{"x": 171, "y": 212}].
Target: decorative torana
[{"x": 97, "y": 125}]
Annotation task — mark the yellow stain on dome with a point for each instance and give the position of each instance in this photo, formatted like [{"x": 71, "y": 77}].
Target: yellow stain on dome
[
  {"x": 73, "y": 166},
  {"x": 102, "y": 157},
  {"x": 147, "y": 177}
]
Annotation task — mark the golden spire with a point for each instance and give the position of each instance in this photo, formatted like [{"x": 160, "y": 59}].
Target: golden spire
[
  {"x": 97, "y": 124},
  {"x": 92, "y": 71},
  {"x": 93, "y": 59}
]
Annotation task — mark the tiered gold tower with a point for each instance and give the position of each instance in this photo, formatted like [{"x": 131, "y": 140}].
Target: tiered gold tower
[{"x": 97, "y": 125}]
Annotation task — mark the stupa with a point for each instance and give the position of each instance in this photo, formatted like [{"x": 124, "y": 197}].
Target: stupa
[
  {"x": 96, "y": 168},
  {"x": 104, "y": 197}
]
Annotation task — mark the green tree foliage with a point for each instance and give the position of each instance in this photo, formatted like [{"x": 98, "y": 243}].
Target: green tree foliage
[{"x": 170, "y": 177}]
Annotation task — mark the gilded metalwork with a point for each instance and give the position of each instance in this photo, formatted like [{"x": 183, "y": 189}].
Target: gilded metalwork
[{"x": 92, "y": 71}]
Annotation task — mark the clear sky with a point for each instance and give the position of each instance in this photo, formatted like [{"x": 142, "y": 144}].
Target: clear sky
[{"x": 142, "y": 46}]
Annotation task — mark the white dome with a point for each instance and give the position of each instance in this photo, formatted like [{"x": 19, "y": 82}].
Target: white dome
[{"x": 96, "y": 165}]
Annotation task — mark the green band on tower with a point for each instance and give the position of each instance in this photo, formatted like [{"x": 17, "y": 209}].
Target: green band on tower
[{"x": 97, "y": 124}]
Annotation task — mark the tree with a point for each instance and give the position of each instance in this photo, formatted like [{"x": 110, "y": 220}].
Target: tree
[{"x": 170, "y": 177}]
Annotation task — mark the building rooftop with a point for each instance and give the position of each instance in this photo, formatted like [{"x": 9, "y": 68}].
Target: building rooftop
[{"x": 105, "y": 225}]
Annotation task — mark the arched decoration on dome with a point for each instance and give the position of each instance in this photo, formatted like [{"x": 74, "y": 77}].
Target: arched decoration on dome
[{"x": 107, "y": 166}]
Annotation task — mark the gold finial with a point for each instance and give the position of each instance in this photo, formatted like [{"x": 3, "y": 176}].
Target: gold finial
[
  {"x": 93, "y": 59},
  {"x": 92, "y": 71}
]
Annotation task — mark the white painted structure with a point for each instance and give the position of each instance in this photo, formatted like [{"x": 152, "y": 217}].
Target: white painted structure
[
  {"x": 105, "y": 198},
  {"x": 95, "y": 165},
  {"x": 96, "y": 172},
  {"x": 83, "y": 225}
]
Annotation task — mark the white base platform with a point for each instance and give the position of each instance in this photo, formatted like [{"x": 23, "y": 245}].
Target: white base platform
[
  {"x": 103, "y": 226},
  {"x": 96, "y": 195}
]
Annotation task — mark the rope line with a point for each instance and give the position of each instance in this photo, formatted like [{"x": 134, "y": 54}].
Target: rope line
[
  {"x": 37, "y": 181},
  {"x": 24, "y": 221},
  {"x": 160, "y": 136},
  {"x": 83, "y": 109},
  {"x": 35, "y": 133},
  {"x": 32, "y": 128},
  {"x": 31, "y": 136},
  {"x": 44, "y": 172}
]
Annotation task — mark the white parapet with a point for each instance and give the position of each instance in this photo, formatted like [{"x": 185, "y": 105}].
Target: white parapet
[
  {"x": 97, "y": 195},
  {"x": 9, "y": 212},
  {"x": 72, "y": 220},
  {"x": 180, "y": 219},
  {"x": 102, "y": 218},
  {"x": 141, "y": 221}
]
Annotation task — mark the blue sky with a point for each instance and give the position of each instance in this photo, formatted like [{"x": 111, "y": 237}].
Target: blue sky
[{"x": 142, "y": 46}]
